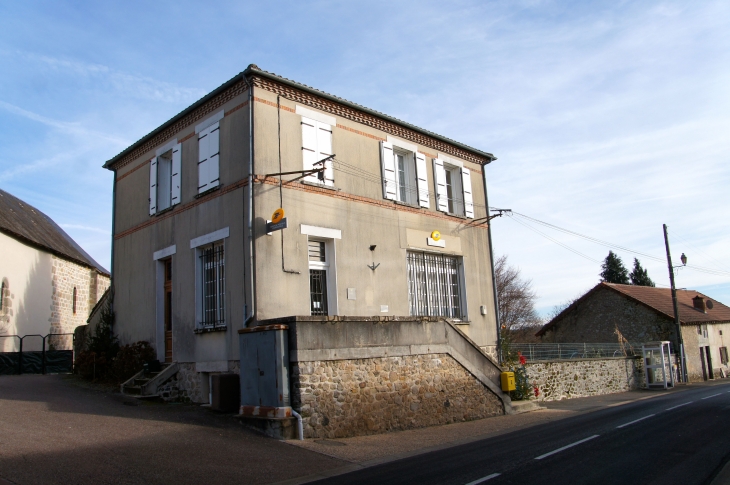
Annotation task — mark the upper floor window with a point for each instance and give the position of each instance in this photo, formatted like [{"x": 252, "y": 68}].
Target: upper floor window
[
  {"x": 316, "y": 146},
  {"x": 208, "y": 151},
  {"x": 453, "y": 188},
  {"x": 165, "y": 179},
  {"x": 404, "y": 174}
]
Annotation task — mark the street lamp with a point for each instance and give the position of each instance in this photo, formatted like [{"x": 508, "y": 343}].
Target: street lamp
[{"x": 683, "y": 259}]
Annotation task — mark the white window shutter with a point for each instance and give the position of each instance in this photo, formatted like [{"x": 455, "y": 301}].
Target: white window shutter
[
  {"x": 309, "y": 146},
  {"x": 468, "y": 199},
  {"x": 324, "y": 150},
  {"x": 213, "y": 157},
  {"x": 176, "y": 168},
  {"x": 439, "y": 177},
  {"x": 203, "y": 153},
  {"x": 153, "y": 186},
  {"x": 422, "y": 178},
  {"x": 388, "y": 159}
]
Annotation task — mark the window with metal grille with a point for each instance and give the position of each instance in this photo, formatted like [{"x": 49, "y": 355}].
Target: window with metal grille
[
  {"x": 318, "y": 266},
  {"x": 214, "y": 286},
  {"x": 434, "y": 285},
  {"x": 723, "y": 355}
]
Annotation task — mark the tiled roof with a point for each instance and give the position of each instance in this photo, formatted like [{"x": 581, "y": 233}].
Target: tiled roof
[
  {"x": 253, "y": 70},
  {"x": 659, "y": 300},
  {"x": 31, "y": 226}
]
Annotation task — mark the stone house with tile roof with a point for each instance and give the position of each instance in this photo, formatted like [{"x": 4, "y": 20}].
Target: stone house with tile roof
[
  {"x": 644, "y": 314},
  {"x": 385, "y": 224},
  {"x": 48, "y": 283}
]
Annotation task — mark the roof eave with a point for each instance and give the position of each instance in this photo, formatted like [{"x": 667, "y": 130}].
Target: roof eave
[
  {"x": 490, "y": 157},
  {"x": 252, "y": 70}
]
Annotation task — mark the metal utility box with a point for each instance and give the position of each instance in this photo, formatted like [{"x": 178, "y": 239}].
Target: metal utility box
[
  {"x": 508, "y": 381},
  {"x": 225, "y": 392},
  {"x": 264, "y": 353}
]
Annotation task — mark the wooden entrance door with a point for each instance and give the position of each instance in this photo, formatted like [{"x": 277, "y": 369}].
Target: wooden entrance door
[{"x": 168, "y": 310}]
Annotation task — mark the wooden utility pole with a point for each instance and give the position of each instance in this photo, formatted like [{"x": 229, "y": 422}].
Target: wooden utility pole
[{"x": 680, "y": 340}]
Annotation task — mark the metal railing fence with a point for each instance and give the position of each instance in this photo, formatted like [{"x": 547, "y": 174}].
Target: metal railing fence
[
  {"x": 47, "y": 359},
  {"x": 538, "y": 352}
]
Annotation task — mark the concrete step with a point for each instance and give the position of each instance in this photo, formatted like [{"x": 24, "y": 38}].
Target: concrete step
[
  {"x": 519, "y": 407},
  {"x": 132, "y": 390},
  {"x": 140, "y": 381}
]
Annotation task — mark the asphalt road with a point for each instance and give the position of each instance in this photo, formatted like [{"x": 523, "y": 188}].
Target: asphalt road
[
  {"x": 55, "y": 429},
  {"x": 680, "y": 438}
]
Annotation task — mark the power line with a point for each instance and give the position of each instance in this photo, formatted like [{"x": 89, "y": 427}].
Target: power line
[
  {"x": 700, "y": 269},
  {"x": 554, "y": 240}
]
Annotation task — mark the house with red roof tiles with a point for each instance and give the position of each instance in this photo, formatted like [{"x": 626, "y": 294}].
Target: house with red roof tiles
[{"x": 643, "y": 314}]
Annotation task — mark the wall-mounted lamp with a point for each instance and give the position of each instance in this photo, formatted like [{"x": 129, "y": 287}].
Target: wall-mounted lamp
[{"x": 373, "y": 266}]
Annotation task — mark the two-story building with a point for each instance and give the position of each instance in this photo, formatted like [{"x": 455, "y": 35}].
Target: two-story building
[{"x": 393, "y": 225}]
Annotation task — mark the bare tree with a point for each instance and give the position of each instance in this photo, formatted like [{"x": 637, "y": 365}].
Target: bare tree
[{"x": 516, "y": 297}]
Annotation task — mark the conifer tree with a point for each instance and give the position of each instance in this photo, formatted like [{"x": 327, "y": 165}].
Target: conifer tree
[
  {"x": 614, "y": 270},
  {"x": 639, "y": 276}
]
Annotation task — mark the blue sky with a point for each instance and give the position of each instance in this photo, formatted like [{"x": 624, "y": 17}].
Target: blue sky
[{"x": 608, "y": 118}]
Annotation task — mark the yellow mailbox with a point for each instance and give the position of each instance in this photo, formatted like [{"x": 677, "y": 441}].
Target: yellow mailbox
[{"x": 508, "y": 381}]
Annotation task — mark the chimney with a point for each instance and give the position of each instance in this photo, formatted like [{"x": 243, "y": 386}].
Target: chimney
[{"x": 699, "y": 303}]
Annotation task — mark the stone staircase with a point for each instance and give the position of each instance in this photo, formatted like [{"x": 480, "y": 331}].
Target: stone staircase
[{"x": 143, "y": 384}]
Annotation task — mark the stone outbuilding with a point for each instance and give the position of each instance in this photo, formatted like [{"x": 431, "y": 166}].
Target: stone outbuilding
[
  {"x": 643, "y": 314},
  {"x": 48, "y": 283}
]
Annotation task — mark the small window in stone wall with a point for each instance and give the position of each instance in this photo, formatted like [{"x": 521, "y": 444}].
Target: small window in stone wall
[
  {"x": 74, "y": 301},
  {"x": 2, "y": 294},
  {"x": 723, "y": 355}
]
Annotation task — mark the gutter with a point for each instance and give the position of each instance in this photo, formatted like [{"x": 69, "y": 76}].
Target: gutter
[
  {"x": 253, "y": 70},
  {"x": 491, "y": 262},
  {"x": 252, "y": 315}
]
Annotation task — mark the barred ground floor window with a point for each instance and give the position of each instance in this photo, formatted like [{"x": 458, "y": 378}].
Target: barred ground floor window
[
  {"x": 435, "y": 285},
  {"x": 212, "y": 260}
]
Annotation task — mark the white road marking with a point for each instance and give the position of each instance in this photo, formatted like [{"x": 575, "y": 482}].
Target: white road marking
[
  {"x": 679, "y": 406},
  {"x": 635, "y": 421},
  {"x": 708, "y": 397},
  {"x": 566, "y": 447},
  {"x": 484, "y": 479}
]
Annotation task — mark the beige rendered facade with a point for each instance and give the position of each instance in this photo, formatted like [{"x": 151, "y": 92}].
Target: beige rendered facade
[{"x": 192, "y": 260}]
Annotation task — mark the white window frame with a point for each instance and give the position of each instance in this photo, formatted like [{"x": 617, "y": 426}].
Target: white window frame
[
  {"x": 460, "y": 269},
  {"x": 198, "y": 245},
  {"x": 408, "y": 186},
  {"x": 165, "y": 172},
  {"x": 208, "y": 155},
  {"x": 317, "y": 141},
  {"x": 330, "y": 267},
  {"x": 461, "y": 202}
]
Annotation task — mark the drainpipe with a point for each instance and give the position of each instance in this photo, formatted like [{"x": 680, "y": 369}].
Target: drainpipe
[
  {"x": 114, "y": 218},
  {"x": 252, "y": 303},
  {"x": 491, "y": 262},
  {"x": 299, "y": 423}
]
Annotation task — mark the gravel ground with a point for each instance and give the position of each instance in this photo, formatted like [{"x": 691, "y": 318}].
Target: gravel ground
[{"x": 56, "y": 429}]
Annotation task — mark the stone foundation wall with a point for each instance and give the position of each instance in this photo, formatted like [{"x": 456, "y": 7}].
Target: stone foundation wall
[
  {"x": 188, "y": 383},
  {"x": 585, "y": 377},
  {"x": 341, "y": 398}
]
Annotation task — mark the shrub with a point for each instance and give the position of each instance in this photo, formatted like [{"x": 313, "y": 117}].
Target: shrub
[
  {"x": 130, "y": 359},
  {"x": 94, "y": 361}
]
